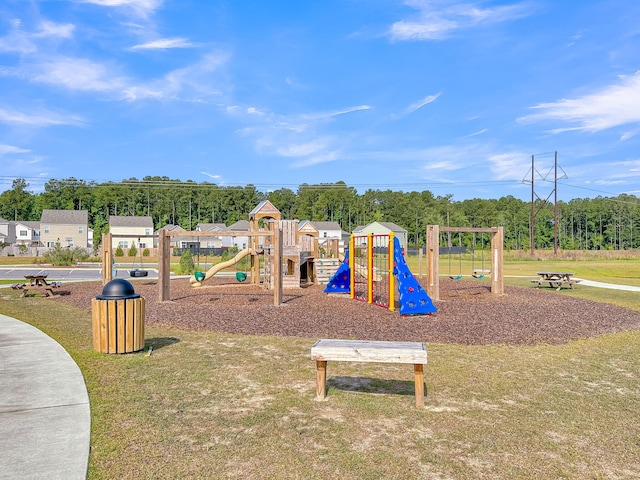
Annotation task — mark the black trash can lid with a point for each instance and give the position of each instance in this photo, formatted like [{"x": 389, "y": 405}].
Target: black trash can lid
[{"x": 118, "y": 289}]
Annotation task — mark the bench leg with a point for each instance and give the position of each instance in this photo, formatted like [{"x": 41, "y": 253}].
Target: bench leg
[
  {"x": 419, "y": 379},
  {"x": 321, "y": 379}
]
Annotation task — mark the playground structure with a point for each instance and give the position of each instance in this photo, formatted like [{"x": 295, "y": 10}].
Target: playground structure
[
  {"x": 374, "y": 270},
  {"x": 495, "y": 271},
  {"x": 281, "y": 255}
]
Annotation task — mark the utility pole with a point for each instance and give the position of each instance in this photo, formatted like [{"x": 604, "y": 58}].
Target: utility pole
[{"x": 544, "y": 202}]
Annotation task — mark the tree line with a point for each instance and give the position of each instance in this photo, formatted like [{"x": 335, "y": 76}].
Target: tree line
[{"x": 598, "y": 223}]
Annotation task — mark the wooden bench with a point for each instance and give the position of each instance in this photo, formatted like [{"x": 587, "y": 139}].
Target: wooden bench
[
  {"x": 369, "y": 351},
  {"x": 43, "y": 290}
]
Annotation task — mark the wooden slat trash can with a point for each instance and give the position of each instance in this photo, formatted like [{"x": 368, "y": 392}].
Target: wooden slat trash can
[{"x": 118, "y": 319}]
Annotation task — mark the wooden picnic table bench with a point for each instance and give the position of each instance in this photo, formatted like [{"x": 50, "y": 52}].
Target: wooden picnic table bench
[
  {"x": 556, "y": 280},
  {"x": 37, "y": 284},
  {"x": 369, "y": 351}
]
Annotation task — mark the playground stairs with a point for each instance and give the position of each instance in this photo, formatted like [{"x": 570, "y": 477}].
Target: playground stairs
[{"x": 325, "y": 269}]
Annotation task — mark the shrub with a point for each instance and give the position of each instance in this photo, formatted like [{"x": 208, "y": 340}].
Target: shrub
[
  {"x": 145, "y": 252},
  {"x": 133, "y": 251},
  {"x": 119, "y": 252},
  {"x": 186, "y": 263},
  {"x": 59, "y": 256}
]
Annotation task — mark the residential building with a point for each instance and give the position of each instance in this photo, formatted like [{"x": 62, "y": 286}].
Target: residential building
[
  {"x": 384, "y": 228},
  {"x": 69, "y": 228},
  {"x": 241, "y": 241},
  {"x": 7, "y": 231},
  {"x": 174, "y": 242},
  {"x": 210, "y": 242},
  {"x": 135, "y": 230},
  {"x": 27, "y": 233}
]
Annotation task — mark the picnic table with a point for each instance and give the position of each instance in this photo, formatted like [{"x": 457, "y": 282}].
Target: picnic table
[
  {"x": 556, "y": 280},
  {"x": 38, "y": 284}
]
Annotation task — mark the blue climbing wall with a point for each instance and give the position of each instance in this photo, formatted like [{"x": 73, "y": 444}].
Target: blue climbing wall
[
  {"x": 340, "y": 282},
  {"x": 413, "y": 298}
]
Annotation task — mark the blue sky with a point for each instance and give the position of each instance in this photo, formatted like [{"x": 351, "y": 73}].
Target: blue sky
[{"x": 452, "y": 97}]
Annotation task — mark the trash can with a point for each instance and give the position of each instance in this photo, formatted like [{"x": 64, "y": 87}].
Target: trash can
[{"x": 117, "y": 317}]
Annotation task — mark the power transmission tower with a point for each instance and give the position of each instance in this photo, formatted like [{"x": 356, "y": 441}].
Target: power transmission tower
[{"x": 535, "y": 174}]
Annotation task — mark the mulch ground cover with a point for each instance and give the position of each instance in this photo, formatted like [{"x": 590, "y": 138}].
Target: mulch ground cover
[{"x": 467, "y": 313}]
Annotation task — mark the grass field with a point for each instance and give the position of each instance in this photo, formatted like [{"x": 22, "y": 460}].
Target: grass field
[{"x": 210, "y": 405}]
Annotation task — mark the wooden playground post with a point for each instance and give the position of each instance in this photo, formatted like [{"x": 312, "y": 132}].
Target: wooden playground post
[
  {"x": 277, "y": 263},
  {"x": 107, "y": 256},
  {"x": 433, "y": 263},
  {"x": 164, "y": 265},
  {"x": 497, "y": 266},
  {"x": 352, "y": 267},
  {"x": 370, "y": 268},
  {"x": 392, "y": 285}
]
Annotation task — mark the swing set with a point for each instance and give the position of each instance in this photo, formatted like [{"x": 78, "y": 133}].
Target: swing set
[
  {"x": 459, "y": 250},
  {"x": 495, "y": 272}
]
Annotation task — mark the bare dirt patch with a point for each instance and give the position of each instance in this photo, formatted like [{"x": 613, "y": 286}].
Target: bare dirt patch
[{"x": 467, "y": 314}]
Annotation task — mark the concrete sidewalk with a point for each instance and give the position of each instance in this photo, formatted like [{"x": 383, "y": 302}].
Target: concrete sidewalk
[{"x": 45, "y": 416}]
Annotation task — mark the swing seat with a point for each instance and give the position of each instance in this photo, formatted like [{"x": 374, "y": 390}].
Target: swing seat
[
  {"x": 241, "y": 276},
  {"x": 480, "y": 273},
  {"x": 136, "y": 272},
  {"x": 199, "y": 276},
  {"x": 456, "y": 277}
]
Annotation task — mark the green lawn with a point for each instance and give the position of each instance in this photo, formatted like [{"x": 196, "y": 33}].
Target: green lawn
[{"x": 210, "y": 405}]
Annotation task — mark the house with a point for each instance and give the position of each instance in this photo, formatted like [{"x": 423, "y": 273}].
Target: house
[
  {"x": 69, "y": 228},
  {"x": 385, "y": 228},
  {"x": 174, "y": 242},
  {"x": 241, "y": 241},
  {"x": 136, "y": 230},
  {"x": 210, "y": 242},
  {"x": 324, "y": 229},
  {"x": 7, "y": 231},
  {"x": 27, "y": 233}
]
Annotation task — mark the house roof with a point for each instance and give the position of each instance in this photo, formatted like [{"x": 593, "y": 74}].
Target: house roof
[
  {"x": 30, "y": 224},
  {"x": 326, "y": 226},
  {"x": 127, "y": 221},
  {"x": 392, "y": 226},
  {"x": 173, "y": 228},
  {"x": 3, "y": 220},
  {"x": 240, "y": 226},
  {"x": 207, "y": 227},
  {"x": 65, "y": 217},
  {"x": 358, "y": 228}
]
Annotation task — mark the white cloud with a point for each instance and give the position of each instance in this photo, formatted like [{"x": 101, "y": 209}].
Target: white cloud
[
  {"x": 58, "y": 30},
  {"x": 479, "y": 132},
  {"x": 77, "y": 74},
  {"x": 164, "y": 44},
  {"x": 141, "y": 8},
  {"x": 609, "y": 107},
  {"x": 335, "y": 113},
  {"x": 42, "y": 118},
  {"x": 82, "y": 75},
  {"x": 421, "y": 103},
  {"x": 210, "y": 175},
  {"x": 508, "y": 166},
  {"x": 23, "y": 42},
  {"x": 318, "y": 159},
  {"x": 302, "y": 149},
  {"x": 297, "y": 137},
  {"x": 438, "y": 19},
  {"x": 9, "y": 149}
]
